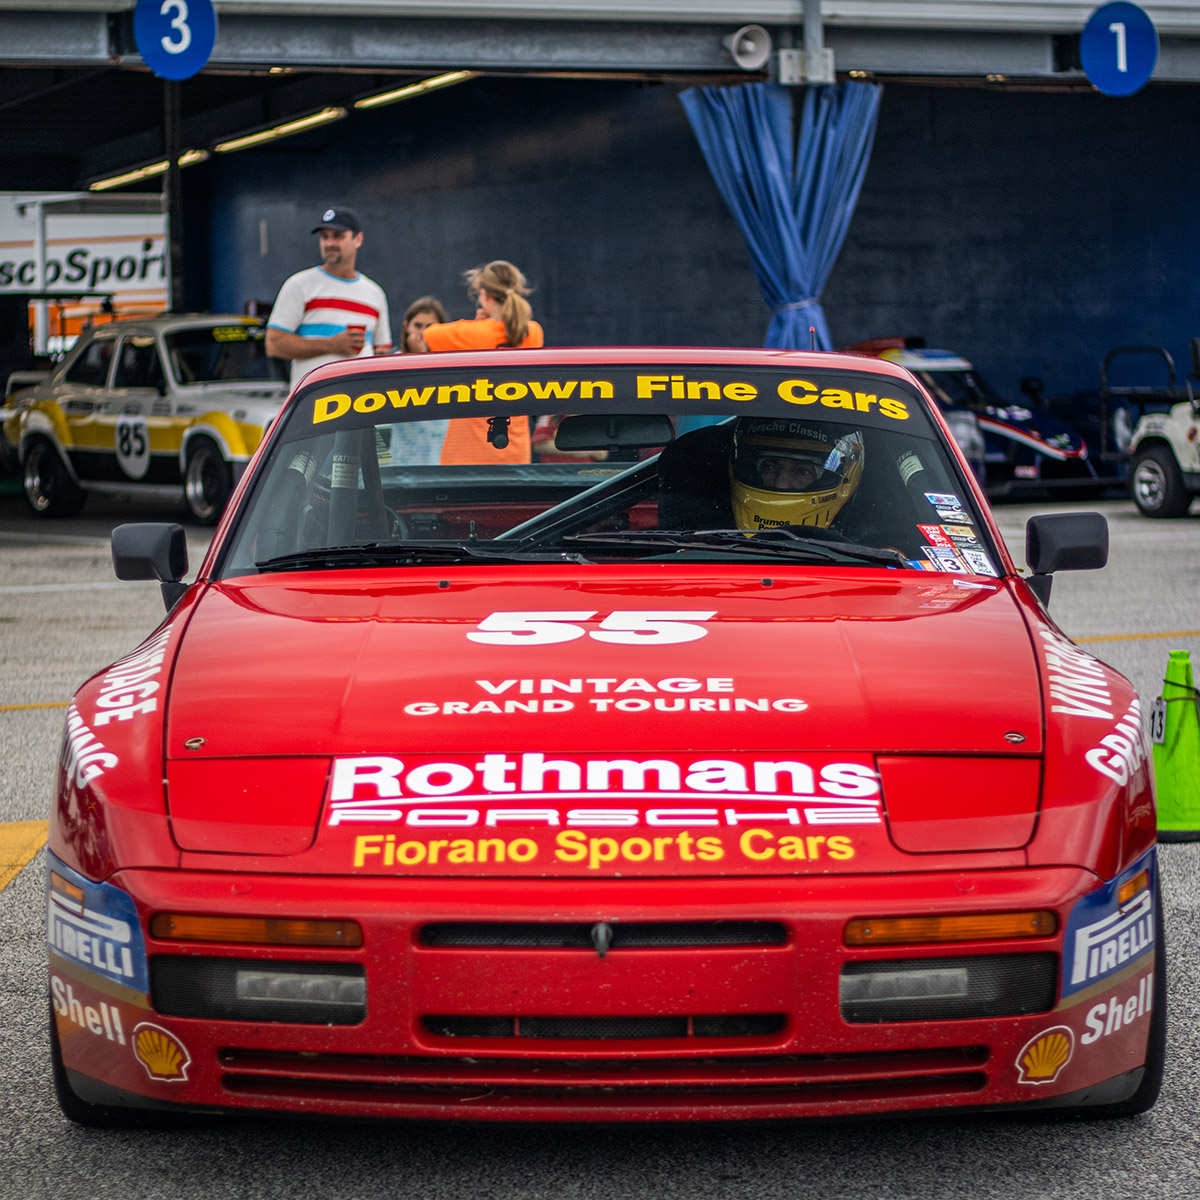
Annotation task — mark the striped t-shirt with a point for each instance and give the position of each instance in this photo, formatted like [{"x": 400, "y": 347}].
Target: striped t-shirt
[{"x": 314, "y": 304}]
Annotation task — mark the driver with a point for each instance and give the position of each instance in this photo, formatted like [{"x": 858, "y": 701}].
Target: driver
[{"x": 791, "y": 472}]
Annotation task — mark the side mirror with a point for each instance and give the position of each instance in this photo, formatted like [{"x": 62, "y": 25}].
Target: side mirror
[
  {"x": 1063, "y": 542},
  {"x": 149, "y": 550}
]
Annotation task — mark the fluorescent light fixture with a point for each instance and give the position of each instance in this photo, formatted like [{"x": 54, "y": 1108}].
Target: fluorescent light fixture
[
  {"x": 281, "y": 131},
  {"x": 186, "y": 159},
  {"x": 415, "y": 89}
]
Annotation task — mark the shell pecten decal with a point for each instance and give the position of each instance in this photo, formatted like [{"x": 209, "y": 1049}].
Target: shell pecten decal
[
  {"x": 1045, "y": 1055},
  {"x": 162, "y": 1054}
]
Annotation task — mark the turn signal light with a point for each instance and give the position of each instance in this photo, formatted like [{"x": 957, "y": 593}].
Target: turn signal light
[
  {"x": 979, "y": 927},
  {"x": 256, "y": 931},
  {"x": 1131, "y": 887}
]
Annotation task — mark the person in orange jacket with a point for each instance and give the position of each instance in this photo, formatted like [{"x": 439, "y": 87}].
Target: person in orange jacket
[{"x": 499, "y": 290}]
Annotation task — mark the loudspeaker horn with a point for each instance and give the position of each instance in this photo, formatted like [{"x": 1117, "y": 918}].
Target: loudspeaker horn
[{"x": 749, "y": 47}]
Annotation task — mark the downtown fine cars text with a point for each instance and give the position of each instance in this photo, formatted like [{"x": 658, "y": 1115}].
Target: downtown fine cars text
[{"x": 605, "y": 735}]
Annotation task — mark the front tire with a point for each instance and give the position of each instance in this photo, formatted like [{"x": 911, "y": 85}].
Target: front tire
[
  {"x": 49, "y": 488},
  {"x": 207, "y": 481},
  {"x": 1157, "y": 484}
]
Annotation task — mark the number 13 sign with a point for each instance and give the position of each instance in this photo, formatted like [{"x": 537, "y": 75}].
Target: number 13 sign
[
  {"x": 1118, "y": 48},
  {"x": 175, "y": 37}
]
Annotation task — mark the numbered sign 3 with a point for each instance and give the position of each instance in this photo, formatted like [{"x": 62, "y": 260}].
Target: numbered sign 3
[
  {"x": 175, "y": 37},
  {"x": 1118, "y": 48},
  {"x": 133, "y": 446}
]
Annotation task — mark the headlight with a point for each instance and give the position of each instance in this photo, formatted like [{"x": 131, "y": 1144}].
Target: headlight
[
  {"x": 255, "y": 989},
  {"x": 945, "y": 989}
]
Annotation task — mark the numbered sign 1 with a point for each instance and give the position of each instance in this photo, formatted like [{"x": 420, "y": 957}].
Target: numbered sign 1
[
  {"x": 1118, "y": 48},
  {"x": 175, "y": 37}
]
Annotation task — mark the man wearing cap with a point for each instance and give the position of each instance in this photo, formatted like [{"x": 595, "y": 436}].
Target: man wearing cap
[{"x": 332, "y": 311}]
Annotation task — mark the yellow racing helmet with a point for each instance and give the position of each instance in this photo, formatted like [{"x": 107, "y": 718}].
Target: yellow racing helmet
[{"x": 790, "y": 472}]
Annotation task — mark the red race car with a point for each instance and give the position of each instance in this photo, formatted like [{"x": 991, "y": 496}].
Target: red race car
[{"x": 730, "y": 772}]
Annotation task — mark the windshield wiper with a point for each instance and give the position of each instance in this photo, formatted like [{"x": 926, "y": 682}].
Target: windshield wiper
[
  {"x": 781, "y": 543},
  {"x": 410, "y": 552}
]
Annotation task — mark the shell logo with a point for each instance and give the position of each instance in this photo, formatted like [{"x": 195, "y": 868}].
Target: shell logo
[
  {"x": 1045, "y": 1055},
  {"x": 162, "y": 1054}
]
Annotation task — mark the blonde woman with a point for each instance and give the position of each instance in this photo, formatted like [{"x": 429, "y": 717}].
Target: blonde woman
[{"x": 498, "y": 290}]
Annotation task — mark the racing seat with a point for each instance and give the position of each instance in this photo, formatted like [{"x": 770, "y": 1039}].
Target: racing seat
[{"x": 693, "y": 480}]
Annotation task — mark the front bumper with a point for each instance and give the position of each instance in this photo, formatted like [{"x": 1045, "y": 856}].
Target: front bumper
[{"x": 435, "y": 1043}]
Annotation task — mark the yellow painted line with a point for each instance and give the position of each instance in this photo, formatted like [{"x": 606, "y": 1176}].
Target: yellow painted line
[
  {"x": 28, "y": 707},
  {"x": 19, "y": 842},
  {"x": 1132, "y": 637}
]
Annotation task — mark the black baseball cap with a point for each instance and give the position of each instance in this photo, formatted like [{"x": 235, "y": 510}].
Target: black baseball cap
[{"x": 344, "y": 220}]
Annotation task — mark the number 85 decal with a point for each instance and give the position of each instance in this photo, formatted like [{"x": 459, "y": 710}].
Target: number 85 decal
[{"x": 633, "y": 627}]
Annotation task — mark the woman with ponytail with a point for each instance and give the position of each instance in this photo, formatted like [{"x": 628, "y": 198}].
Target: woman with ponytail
[{"x": 506, "y": 321}]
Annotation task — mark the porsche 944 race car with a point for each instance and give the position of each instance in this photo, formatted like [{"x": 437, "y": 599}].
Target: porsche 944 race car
[
  {"x": 739, "y": 774},
  {"x": 163, "y": 406}
]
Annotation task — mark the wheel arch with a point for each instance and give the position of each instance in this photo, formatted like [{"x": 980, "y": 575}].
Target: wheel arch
[
  {"x": 47, "y": 433},
  {"x": 218, "y": 428}
]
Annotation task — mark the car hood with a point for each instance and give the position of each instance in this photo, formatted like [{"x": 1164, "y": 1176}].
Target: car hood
[
  {"x": 719, "y": 723},
  {"x": 292, "y": 665}
]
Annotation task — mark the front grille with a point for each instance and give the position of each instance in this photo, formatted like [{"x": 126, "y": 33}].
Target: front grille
[
  {"x": 607, "y": 1028},
  {"x": 768, "y": 1085},
  {"x": 659, "y": 935}
]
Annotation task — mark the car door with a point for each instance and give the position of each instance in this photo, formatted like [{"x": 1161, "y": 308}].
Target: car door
[
  {"x": 138, "y": 413},
  {"x": 82, "y": 396}
]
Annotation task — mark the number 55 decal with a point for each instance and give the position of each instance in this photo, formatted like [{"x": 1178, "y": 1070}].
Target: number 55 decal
[{"x": 635, "y": 627}]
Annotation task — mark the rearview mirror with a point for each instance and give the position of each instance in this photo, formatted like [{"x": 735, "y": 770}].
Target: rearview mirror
[{"x": 620, "y": 431}]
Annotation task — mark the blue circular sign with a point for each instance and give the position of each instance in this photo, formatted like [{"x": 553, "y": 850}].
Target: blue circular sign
[
  {"x": 1118, "y": 48},
  {"x": 175, "y": 37}
]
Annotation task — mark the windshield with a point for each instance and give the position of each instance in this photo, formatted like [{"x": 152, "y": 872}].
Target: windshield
[
  {"x": 752, "y": 466},
  {"x": 222, "y": 354},
  {"x": 965, "y": 389}
]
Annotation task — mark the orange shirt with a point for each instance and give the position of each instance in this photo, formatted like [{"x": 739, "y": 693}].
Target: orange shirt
[{"x": 466, "y": 440}]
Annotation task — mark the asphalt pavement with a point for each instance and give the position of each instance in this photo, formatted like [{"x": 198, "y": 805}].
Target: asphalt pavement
[{"x": 63, "y": 616}]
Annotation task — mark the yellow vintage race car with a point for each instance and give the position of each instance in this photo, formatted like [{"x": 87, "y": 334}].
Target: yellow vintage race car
[{"x": 160, "y": 406}]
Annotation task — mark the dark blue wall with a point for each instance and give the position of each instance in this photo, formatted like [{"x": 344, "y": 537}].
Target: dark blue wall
[{"x": 1030, "y": 231}]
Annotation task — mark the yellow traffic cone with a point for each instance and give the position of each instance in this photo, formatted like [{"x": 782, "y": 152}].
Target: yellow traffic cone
[{"x": 1177, "y": 754}]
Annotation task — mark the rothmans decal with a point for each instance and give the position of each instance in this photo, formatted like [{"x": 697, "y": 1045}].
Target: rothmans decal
[{"x": 531, "y": 788}]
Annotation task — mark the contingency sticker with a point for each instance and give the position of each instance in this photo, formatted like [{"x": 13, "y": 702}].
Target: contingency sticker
[
  {"x": 1111, "y": 927},
  {"x": 536, "y": 814},
  {"x": 95, "y": 926}
]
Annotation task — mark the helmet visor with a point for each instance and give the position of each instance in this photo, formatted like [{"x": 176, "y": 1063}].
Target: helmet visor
[{"x": 781, "y": 468}]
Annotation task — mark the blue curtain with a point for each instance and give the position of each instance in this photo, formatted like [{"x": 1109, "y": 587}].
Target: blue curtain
[{"x": 792, "y": 200}]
